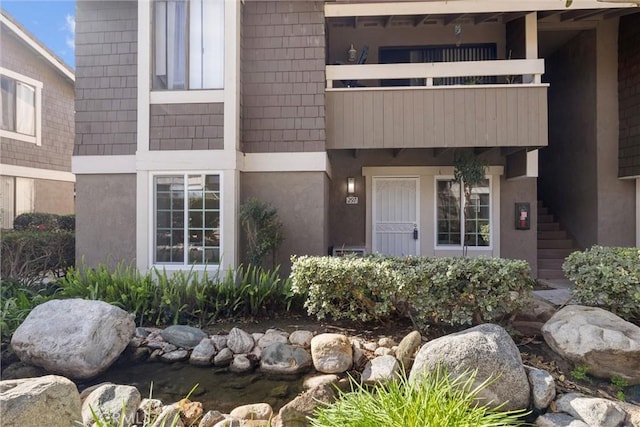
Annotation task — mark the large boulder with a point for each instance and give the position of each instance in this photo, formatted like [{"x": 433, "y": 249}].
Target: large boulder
[
  {"x": 239, "y": 341},
  {"x": 592, "y": 410},
  {"x": 284, "y": 359},
  {"x": 486, "y": 348},
  {"x": 607, "y": 344},
  {"x": 331, "y": 353},
  {"x": 73, "y": 337},
  {"x": 111, "y": 401},
  {"x": 50, "y": 401}
]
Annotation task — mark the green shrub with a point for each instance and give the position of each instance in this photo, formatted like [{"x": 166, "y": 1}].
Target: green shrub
[
  {"x": 438, "y": 401},
  {"x": 17, "y": 301},
  {"x": 455, "y": 291},
  {"x": 262, "y": 229},
  {"x": 607, "y": 277},
  {"x": 28, "y": 256},
  {"x": 67, "y": 222},
  {"x": 44, "y": 221}
]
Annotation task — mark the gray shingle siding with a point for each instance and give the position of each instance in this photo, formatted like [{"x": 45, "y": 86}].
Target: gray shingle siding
[
  {"x": 629, "y": 95},
  {"x": 57, "y": 110},
  {"x": 106, "y": 77},
  {"x": 186, "y": 127},
  {"x": 283, "y": 60}
]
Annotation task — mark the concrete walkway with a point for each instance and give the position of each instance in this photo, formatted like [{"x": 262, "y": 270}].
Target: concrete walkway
[{"x": 559, "y": 292}]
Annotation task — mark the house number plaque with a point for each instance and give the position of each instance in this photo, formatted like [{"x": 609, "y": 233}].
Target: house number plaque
[{"x": 352, "y": 200}]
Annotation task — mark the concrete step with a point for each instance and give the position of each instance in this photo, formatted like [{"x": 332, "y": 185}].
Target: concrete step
[
  {"x": 548, "y": 226},
  {"x": 555, "y": 244},
  {"x": 545, "y": 219},
  {"x": 553, "y": 235},
  {"x": 550, "y": 263},
  {"x": 550, "y": 274},
  {"x": 554, "y": 253}
]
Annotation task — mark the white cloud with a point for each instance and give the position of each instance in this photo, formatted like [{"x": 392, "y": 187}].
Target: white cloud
[{"x": 70, "y": 27}]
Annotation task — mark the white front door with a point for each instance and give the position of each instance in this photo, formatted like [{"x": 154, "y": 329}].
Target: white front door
[{"x": 395, "y": 213}]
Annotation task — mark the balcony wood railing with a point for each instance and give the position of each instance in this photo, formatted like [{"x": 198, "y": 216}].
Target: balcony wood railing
[{"x": 531, "y": 71}]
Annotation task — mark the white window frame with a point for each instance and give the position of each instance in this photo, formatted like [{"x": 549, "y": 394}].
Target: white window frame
[
  {"x": 457, "y": 248},
  {"x": 152, "y": 221},
  {"x": 196, "y": 35},
  {"x": 37, "y": 85}
]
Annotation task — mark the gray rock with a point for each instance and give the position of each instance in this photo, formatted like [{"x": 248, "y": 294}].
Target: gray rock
[
  {"x": 202, "y": 354},
  {"x": 359, "y": 358},
  {"x": 219, "y": 342},
  {"x": 487, "y": 348},
  {"x": 211, "y": 418},
  {"x": 386, "y": 342},
  {"x": 239, "y": 341},
  {"x": 331, "y": 353},
  {"x": 301, "y": 338},
  {"x": 174, "y": 356},
  {"x": 279, "y": 358},
  {"x": 381, "y": 369},
  {"x": 383, "y": 351},
  {"x": 50, "y": 401},
  {"x": 111, "y": 401},
  {"x": 240, "y": 364},
  {"x": 633, "y": 414},
  {"x": 273, "y": 337},
  {"x": 183, "y": 336},
  {"x": 223, "y": 358},
  {"x": 559, "y": 420},
  {"x": 22, "y": 370},
  {"x": 169, "y": 417},
  {"x": 255, "y": 411},
  {"x": 543, "y": 387},
  {"x": 370, "y": 346},
  {"x": 73, "y": 337},
  {"x": 407, "y": 348},
  {"x": 535, "y": 309},
  {"x": 142, "y": 332},
  {"x": 592, "y": 410},
  {"x": 319, "y": 380},
  {"x": 256, "y": 336},
  {"x": 296, "y": 412},
  {"x": 149, "y": 409},
  {"x": 594, "y": 337}
]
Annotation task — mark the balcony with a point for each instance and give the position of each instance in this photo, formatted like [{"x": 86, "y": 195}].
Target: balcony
[{"x": 511, "y": 111}]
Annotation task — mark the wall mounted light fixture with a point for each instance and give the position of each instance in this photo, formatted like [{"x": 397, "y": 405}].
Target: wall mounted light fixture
[
  {"x": 351, "y": 54},
  {"x": 351, "y": 185}
]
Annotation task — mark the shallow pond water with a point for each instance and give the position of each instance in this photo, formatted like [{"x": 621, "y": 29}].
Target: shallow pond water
[{"x": 217, "y": 388}]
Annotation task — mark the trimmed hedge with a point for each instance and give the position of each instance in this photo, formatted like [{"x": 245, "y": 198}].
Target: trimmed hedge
[
  {"x": 450, "y": 290},
  {"x": 28, "y": 256},
  {"x": 607, "y": 277}
]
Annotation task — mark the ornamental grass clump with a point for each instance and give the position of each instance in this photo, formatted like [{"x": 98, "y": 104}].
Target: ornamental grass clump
[{"x": 439, "y": 400}]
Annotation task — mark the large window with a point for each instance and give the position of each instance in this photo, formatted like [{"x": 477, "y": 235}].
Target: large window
[
  {"x": 187, "y": 219},
  {"x": 19, "y": 106},
  {"x": 188, "y": 37},
  {"x": 454, "y": 221}
]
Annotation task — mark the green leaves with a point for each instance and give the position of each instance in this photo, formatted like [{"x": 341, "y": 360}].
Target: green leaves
[
  {"x": 607, "y": 277},
  {"x": 455, "y": 291},
  {"x": 263, "y": 230}
]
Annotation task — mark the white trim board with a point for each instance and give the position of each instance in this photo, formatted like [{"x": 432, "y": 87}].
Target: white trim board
[
  {"x": 89, "y": 165},
  {"x": 35, "y": 45},
  {"x": 186, "y": 96},
  {"x": 286, "y": 162},
  {"x": 27, "y": 172}
]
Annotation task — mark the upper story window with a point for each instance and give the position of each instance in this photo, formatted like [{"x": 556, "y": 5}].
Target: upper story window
[
  {"x": 19, "y": 107},
  {"x": 188, "y": 38}
]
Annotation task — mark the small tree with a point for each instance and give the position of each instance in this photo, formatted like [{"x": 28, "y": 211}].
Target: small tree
[
  {"x": 469, "y": 171},
  {"x": 263, "y": 230}
]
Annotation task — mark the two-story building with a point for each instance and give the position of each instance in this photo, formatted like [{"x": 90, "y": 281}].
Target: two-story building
[
  {"x": 348, "y": 118},
  {"x": 36, "y": 126}
]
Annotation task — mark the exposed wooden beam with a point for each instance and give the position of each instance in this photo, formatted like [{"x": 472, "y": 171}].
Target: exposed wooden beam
[
  {"x": 576, "y": 15},
  {"x": 354, "y": 153},
  {"x": 479, "y": 19},
  {"x": 508, "y": 17},
  {"x": 437, "y": 152},
  {"x": 387, "y": 21},
  {"x": 508, "y": 151},
  {"x": 396, "y": 151},
  {"x": 448, "y": 19},
  {"x": 620, "y": 12},
  {"x": 547, "y": 14},
  {"x": 479, "y": 150},
  {"x": 355, "y": 22}
]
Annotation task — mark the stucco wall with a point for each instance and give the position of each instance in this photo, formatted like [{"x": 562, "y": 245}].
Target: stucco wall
[
  {"x": 186, "y": 127},
  {"x": 57, "y": 110},
  {"x": 54, "y": 196},
  {"x": 106, "y": 219},
  {"x": 568, "y": 168},
  {"x": 283, "y": 82},
  {"x": 106, "y": 82},
  {"x": 519, "y": 244},
  {"x": 300, "y": 198},
  {"x": 629, "y": 93}
]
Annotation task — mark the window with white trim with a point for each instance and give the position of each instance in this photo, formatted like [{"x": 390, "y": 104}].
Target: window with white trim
[
  {"x": 188, "y": 39},
  {"x": 454, "y": 221},
  {"x": 186, "y": 219},
  {"x": 19, "y": 107}
]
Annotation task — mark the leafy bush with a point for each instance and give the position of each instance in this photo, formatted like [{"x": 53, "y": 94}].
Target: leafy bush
[
  {"x": 44, "y": 221},
  {"x": 263, "y": 230},
  {"x": 455, "y": 291},
  {"x": 28, "y": 256},
  {"x": 182, "y": 297},
  {"x": 438, "y": 400},
  {"x": 67, "y": 222},
  {"x": 17, "y": 301},
  {"x": 607, "y": 277}
]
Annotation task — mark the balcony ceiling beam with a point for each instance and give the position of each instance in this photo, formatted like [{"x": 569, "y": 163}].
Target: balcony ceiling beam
[
  {"x": 508, "y": 17},
  {"x": 387, "y": 21},
  {"x": 444, "y": 7},
  {"x": 577, "y": 15},
  {"x": 420, "y": 19},
  {"x": 483, "y": 17}
]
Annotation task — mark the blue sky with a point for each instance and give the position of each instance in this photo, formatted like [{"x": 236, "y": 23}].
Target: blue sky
[{"x": 53, "y": 22}]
